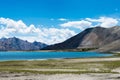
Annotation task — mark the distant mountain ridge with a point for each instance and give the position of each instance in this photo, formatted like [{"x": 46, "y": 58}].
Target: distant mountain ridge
[
  {"x": 97, "y": 37},
  {"x": 104, "y": 39},
  {"x": 16, "y": 44}
]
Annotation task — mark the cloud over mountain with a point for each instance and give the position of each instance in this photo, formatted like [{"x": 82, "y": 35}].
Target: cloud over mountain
[
  {"x": 104, "y": 21},
  {"x": 11, "y": 28},
  {"x": 91, "y": 22},
  {"x": 77, "y": 24},
  {"x": 51, "y": 35}
]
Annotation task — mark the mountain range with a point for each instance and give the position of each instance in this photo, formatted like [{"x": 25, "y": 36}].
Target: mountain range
[
  {"x": 104, "y": 39},
  {"x": 16, "y": 44},
  {"x": 99, "y": 38}
]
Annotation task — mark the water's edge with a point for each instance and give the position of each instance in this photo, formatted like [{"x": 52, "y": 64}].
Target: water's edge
[{"x": 23, "y": 55}]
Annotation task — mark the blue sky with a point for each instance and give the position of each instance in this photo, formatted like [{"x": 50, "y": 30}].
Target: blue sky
[
  {"x": 59, "y": 14},
  {"x": 34, "y": 11}
]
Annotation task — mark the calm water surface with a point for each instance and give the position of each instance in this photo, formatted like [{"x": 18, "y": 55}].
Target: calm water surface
[{"x": 6, "y": 56}]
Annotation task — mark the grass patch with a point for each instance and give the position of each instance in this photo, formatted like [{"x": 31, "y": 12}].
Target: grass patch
[
  {"x": 81, "y": 67},
  {"x": 50, "y": 72}
]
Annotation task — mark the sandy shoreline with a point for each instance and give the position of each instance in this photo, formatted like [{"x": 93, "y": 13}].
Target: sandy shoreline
[{"x": 90, "y": 76}]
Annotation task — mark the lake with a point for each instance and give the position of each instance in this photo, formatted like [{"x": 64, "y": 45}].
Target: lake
[{"x": 7, "y": 56}]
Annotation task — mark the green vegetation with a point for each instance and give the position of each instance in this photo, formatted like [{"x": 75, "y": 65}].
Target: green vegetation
[
  {"x": 76, "y": 66},
  {"x": 116, "y": 55}
]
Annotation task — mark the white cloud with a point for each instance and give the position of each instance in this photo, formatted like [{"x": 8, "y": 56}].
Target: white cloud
[
  {"x": 77, "y": 24},
  {"x": 56, "y": 35},
  {"x": 89, "y": 22},
  {"x": 10, "y": 25},
  {"x": 62, "y": 19},
  {"x": 104, "y": 21},
  {"x": 11, "y": 28}
]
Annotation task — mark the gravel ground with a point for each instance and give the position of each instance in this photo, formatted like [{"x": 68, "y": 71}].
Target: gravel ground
[{"x": 90, "y": 76}]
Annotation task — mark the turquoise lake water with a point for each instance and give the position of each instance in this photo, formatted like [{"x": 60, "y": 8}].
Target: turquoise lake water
[{"x": 6, "y": 56}]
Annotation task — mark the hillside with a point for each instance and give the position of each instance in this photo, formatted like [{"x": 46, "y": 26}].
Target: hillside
[{"x": 97, "y": 37}]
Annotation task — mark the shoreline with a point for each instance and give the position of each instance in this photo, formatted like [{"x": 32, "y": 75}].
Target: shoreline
[
  {"x": 102, "y": 68},
  {"x": 82, "y": 57},
  {"x": 56, "y": 59}
]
